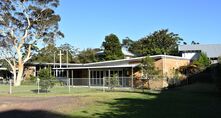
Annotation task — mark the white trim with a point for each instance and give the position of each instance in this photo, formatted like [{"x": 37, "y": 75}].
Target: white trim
[
  {"x": 3, "y": 68},
  {"x": 94, "y": 67}
]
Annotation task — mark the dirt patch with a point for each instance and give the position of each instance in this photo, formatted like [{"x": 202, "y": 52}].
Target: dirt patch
[{"x": 57, "y": 104}]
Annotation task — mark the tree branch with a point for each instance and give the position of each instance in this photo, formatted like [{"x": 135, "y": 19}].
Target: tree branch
[
  {"x": 26, "y": 29},
  {"x": 29, "y": 54}
]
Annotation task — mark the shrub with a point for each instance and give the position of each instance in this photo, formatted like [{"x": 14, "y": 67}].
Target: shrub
[
  {"x": 113, "y": 82},
  {"x": 203, "y": 62},
  {"x": 46, "y": 79}
]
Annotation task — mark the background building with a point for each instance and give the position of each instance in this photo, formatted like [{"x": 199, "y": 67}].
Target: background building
[{"x": 192, "y": 52}]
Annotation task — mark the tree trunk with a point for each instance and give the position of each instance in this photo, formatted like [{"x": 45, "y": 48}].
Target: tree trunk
[
  {"x": 14, "y": 75},
  {"x": 19, "y": 75},
  {"x": 20, "y": 69}
]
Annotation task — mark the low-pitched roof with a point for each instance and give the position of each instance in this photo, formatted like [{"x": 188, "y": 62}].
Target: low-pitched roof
[
  {"x": 212, "y": 50},
  {"x": 120, "y": 62}
]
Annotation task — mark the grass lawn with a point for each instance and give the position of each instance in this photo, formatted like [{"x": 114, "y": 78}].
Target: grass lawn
[{"x": 193, "y": 101}]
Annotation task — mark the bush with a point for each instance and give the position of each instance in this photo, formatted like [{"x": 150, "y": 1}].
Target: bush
[
  {"x": 31, "y": 81},
  {"x": 113, "y": 82},
  {"x": 203, "y": 62},
  {"x": 46, "y": 79}
]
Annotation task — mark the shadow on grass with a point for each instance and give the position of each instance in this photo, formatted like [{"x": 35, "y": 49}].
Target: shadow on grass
[
  {"x": 174, "y": 103},
  {"x": 40, "y": 91},
  {"x": 33, "y": 114}
]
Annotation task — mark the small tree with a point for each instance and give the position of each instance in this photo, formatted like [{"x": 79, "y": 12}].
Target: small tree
[
  {"x": 46, "y": 79},
  {"x": 113, "y": 82},
  {"x": 148, "y": 69},
  {"x": 203, "y": 62}
]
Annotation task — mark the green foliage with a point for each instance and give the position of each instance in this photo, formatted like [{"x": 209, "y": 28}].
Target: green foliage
[
  {"x": 127, "y": 42},
  {"x": 159, "y": 42},
  {"x": 46, "y": 79},
  {"x": 27, "y": 23},
  {"x": 112, "y": 48},
  {"x": 87, "y": 56},
  {"x": 113, "y": 82},
  {"x": 148, "y": 69},
  {"x": 47, "y": 53},
  {"x": 203, "y": 62}
]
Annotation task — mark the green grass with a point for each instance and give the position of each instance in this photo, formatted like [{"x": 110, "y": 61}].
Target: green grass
[
  {"x": 31, "y": 91},
  {"x": 193, "y": 101}
]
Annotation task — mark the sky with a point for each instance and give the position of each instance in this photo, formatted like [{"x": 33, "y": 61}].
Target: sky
[{"x": 85, "y": 23}]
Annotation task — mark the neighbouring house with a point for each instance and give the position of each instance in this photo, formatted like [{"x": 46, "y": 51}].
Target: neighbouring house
[{"x": 192, "y": 52}]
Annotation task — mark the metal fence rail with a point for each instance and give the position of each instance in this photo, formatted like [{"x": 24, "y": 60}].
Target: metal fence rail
[{"x": 62, "y": 85}]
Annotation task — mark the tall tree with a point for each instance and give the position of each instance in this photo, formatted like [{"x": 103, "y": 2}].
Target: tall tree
[
  {"x": 112, "y": 48},
  {"x": 24, "y": 24},
  {"x": 159, "y": 42},
  {"x": 71, "y": 51},
  {"x": 46, "y": 54},
  {"x": 87, "y": 56},
  {"x": 127, "y": 42},
  {"x": 49, "y": 54}
]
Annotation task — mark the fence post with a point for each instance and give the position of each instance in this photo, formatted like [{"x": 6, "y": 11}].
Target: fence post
[
  {"x": 10, "y": 86},
  {"x": 38, "y": 80}
]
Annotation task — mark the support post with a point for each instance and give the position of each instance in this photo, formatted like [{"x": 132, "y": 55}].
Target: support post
[
  {"x": 67, "y": 58},
  {"x": 103, "y": 84},
  {"x": 56, "y": 73},
  {"x": 109, "y": 78},
  {"x": 132, "y": 78},
  {"x": 72, "y": 73},
  {"x": 89, "y": 76}
]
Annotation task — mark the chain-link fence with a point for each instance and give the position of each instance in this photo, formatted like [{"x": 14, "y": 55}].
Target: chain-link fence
[{"x": 62, "y": 85}]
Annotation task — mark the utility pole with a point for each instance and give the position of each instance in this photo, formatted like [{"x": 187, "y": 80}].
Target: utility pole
[
  {"x": 54, "y": 59},
  {"x": 67, "y": 58}
]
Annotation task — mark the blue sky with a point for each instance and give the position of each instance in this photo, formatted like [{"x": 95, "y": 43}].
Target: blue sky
[{"x": 85, "y": 23}]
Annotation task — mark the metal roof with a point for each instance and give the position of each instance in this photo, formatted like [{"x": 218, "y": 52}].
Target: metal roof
[
  {"x": 103, "y": 67},
  {"x": 119, "y": 63},
  {"x": 212, "y": 50}
]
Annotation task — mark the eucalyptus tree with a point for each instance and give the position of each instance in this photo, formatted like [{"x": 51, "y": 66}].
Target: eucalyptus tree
[{"x": 24, "y": 25}]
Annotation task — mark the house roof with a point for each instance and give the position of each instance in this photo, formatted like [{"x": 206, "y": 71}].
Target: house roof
[
  {"x": 132, "y": 62},
  {"x": 212, "y": 50}
]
